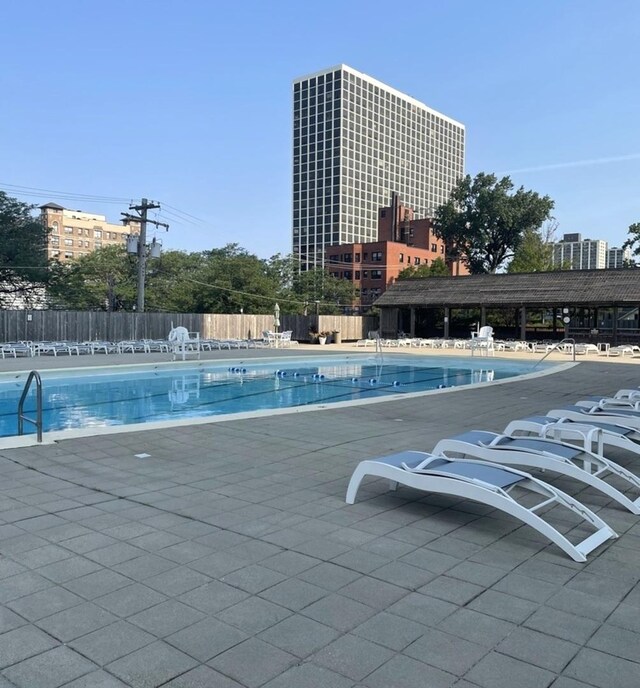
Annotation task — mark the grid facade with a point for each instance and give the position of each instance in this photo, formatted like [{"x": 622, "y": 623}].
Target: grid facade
[
  {"x": 355, "y": 142},
  {"x": 618, "y": 257},
  {"x": 589, "y": 254}
]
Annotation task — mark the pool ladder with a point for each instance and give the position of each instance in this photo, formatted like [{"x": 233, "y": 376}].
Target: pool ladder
[
  {"x": 33, "y": 375},
  {"x": 555, "y": 347}
]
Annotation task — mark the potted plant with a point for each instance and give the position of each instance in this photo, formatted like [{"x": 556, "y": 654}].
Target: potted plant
[
  {"x": 313, "y": 335},
  {"x": 323, "y": 337}
]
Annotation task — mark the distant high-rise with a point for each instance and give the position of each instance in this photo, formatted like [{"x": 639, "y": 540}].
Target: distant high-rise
[
  {"x": 575, "y": 253},
  {"x": 355, "y": 142}
]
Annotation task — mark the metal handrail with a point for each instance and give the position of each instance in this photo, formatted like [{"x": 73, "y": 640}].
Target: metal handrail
[
  {"x": 33, "y": 375},
  {"x": 567, "y": 340}
]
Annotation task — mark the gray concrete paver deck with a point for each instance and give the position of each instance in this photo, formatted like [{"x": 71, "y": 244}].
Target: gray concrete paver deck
[{"x": 229, "y": 558}]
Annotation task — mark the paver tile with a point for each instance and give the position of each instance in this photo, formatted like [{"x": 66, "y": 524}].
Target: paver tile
[
  {"x": 253, "y": 615},
  {"x": 166, "y": 618},
  {"x": 50, "y": 669},
  {"x": 539, "y": 649},
  {"x": 405, "y": 672},
  {"x": 151, "y": 666},
  {"x": 74, "y": 622},
  {"x": 20, "y": 643},
  {"x": 498, "y": 671},
  {"x": 352, "y": 656},
  {"x": 339, "y": 612},
  {"x": 446, "y": 652},
  {"x": 299, "y": 635},
  {"x": 253, "y": 662},
  {"x": 202, "y": 677},
  {"x": 206, "y": 639},
  {"x": 309, "y": 676},
  {"x": 130, "y": 600},
  {"x": 390, "y": 630},
  {"x": 112, "y": 642}
]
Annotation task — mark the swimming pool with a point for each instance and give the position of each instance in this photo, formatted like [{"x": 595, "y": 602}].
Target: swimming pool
[{"x": 126, "y": 395}]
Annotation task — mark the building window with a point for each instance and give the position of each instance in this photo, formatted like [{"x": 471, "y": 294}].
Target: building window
[
  {"x": 54, "y": 228},
  {"x": 97, "y": 233},
  {"x": 68, "y": 254},
  {"x": 357, "y": 274},
  {"x": 68, "y": 230},
  {"x": 357, "y": 257},
  {"x": 365, "y": 255},
  {"x": 79, "y": 231},
  {"x": 416, "y": 261},
  {"x": 55, "y": 241},
  {"x": 365, "y": 273},
  {"x": 347, "y": 257},
  {"x": 333, "y": 259},
  {"x": 348, "y": 274},
  {"x": 442, "y": 249},
  {"x": 68, "y": 242},
  {"x": 434, "y": 248},
  {"x": 401, "y": 258},
  {"x": 376, "y": 274},
  {"x": 376, "y": 256}
]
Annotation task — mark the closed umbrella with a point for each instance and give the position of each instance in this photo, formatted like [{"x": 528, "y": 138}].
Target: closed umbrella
[{"x": 276, "y": 317}]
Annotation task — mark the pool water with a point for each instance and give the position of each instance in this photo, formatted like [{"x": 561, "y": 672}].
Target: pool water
[{"x": 141, "y": 394}]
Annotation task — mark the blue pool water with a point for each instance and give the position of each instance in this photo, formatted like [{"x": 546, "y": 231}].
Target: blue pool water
[{"x": 121, "y": 396}]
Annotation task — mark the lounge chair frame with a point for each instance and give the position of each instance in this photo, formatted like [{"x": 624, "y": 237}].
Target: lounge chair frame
[
  {"x": 412, "y": 468},
  {"x": 544, "y": 454},
  {"x": 597, "y": 415},
  {"x": 593, "y": 437}
]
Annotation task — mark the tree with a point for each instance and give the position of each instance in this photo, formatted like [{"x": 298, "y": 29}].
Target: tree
[
  {"x": 533, "y": 255},
  {"x": 102, "y": 280},
  {"x": 438, "y": 268},
  {"x": 633, "y": 242},
  {"x": 318, "y": 285},
  {"x": 24, "y": 266},
  {"x": 483, "y": 223}
]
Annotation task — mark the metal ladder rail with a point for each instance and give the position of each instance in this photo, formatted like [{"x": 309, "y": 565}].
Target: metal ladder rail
[
  {"x": 33, "y": 375},
  {"x": 567, "y": 340}
]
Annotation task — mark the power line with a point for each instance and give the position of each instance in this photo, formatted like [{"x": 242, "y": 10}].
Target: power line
[{"x": 69, "y": 194}]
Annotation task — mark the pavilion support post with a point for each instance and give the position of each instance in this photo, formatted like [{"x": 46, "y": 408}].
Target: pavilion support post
[
  {"x": 554, "y": 326},
  {"x": 523, "y": 323},
  {"x": 614, "y": 325},
  {"x": 483, "y": 316},
  {"x": 447, "y": 319},
  {"x": 412, "y": 321}
]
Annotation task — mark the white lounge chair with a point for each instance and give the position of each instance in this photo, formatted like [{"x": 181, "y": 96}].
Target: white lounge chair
[
  {"x": 594, "y": 436},
  {"x": 486, "y": 483},
  {"x": 544, "y": 454},
  {"x": 482, "y": 341},
  {"x": 183, "y": 342},
  {"x": 597, "y": 415}
]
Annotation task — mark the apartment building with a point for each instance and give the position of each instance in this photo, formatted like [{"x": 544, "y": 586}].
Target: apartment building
[
  {"x": 74, "y": 233},
  {"x": 355, "y": 142},
  {"x": 618, "y": 257},
  {"x": 575, "y": 253},
  {"x": 403, "y": 241}
]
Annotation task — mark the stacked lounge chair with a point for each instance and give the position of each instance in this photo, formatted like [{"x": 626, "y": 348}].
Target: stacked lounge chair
[{"x": 569, "y": 442}]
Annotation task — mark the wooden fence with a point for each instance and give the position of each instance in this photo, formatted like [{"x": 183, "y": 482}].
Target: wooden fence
[{"x": 39, "y": 325}]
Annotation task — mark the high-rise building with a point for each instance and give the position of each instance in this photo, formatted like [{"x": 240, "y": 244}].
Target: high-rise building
[
  {"x": 574, "y": 253},
  {"x": 618, "y": 257},
  {"x": 356, "y": 141},
  {"x": 73, "y": 233}
]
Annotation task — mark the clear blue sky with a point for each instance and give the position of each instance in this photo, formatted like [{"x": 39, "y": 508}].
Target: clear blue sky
[{"x": 189, "y": 102}]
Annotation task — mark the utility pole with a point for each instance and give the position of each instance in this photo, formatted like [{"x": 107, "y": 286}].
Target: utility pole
[{"x": 142, "y": 218}]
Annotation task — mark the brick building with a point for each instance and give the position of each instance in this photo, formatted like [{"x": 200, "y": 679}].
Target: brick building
[{"x": 403, "y": 241}]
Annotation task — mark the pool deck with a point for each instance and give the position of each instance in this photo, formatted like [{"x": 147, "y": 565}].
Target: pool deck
[{"x": 223, "y": 555}]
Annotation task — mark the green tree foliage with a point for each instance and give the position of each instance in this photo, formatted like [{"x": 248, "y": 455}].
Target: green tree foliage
[
  {"x": 24, "y": 266},
  {"x": 483, "y": 222},
  {"x": 222, "y": 280},
  {"x": 102, "y": 280},
  {"x": 533, "y": 254},
  {"x": 438, "y": 268},
  {"x": 633, "y": 242},
  {"x": 318, "y": 285}
]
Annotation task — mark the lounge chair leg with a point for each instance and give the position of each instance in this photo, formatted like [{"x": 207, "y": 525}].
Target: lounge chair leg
[{"x": 393, "y": 485}]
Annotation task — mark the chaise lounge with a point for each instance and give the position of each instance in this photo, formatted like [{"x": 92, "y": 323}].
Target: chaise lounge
[
  {"x": 593, "y": 436},
  {"x": 544, "y": 454},
  {"x": 487, "y": 483}
]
